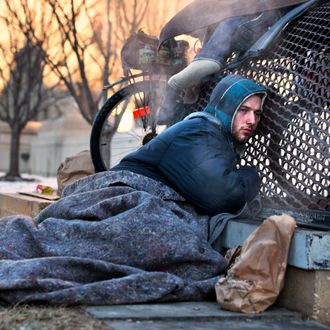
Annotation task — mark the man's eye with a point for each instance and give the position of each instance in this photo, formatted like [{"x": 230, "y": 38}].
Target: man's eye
[
  {"x": 258, "y": 113},
  {"x": 242, "y": 110}
]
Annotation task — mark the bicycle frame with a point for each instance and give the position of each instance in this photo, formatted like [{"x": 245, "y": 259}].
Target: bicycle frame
[{"x": 123, "y": 80}]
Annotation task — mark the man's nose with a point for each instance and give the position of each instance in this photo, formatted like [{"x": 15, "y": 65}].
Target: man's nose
[{"x": 251, "y": 118}]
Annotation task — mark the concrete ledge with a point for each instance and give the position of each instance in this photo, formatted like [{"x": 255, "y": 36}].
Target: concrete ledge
[
  {"x": 205, "y": 311},
  {"x": 310, "y": 249},
  {"x": 307, "y": 292},
  {"x": 196, "y": 316},
  {"x": 12, "y": 204},
  {"x": 307, "y": 284}
]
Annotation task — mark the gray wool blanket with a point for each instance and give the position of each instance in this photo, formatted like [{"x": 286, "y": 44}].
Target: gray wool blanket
[{"x": 113, "y": 238}]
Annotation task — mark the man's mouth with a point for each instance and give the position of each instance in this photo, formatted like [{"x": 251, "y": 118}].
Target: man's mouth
[{"x": 246, "y": 131}]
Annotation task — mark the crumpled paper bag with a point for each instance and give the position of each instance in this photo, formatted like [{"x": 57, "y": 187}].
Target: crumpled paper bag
[
  {"x": 74, "y": 168},
  {"x": 256, "y": 278}
]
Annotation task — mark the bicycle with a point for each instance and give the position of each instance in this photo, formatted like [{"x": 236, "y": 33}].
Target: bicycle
[{"x": 128, "y": 119}]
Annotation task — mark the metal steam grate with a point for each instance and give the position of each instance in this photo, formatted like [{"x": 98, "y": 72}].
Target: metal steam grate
[{"x": 292, "y": 146}]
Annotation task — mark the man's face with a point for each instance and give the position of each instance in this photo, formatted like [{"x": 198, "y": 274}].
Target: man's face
[{"x": 246, "y": 119}]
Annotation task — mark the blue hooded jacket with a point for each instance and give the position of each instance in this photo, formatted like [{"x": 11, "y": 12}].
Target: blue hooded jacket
[{"x": 197, "y": 156}]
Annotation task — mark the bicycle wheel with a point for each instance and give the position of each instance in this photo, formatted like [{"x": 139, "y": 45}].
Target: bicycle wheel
[{"x": 126, "y": 121}]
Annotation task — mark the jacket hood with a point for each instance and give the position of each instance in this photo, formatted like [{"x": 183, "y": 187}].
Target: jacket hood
[{"x": 228, "y": 95}]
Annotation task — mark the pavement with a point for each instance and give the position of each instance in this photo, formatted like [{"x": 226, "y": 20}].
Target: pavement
[{"x": 196, "y": 316}]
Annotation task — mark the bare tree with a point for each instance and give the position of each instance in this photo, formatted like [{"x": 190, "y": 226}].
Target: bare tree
[
  {"x": 130, "y": 16},
  {"x": 159, "y": 12},
  {"x": 82, "y": 47},
  {"x": 80, "y": 40},
  {"x": 22, "y": 94}
]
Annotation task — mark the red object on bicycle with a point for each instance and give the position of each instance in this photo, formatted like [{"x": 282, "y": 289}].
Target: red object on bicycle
[{"x": 140, "y": 112}]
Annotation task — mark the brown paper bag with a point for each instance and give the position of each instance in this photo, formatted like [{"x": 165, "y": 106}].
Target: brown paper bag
[
  {"x": 74, "y": 168},
  {"x": 255, "y": 280}
]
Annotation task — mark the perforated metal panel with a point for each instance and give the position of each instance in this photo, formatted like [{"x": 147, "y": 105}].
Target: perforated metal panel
[{"x": 291, "y": 149}]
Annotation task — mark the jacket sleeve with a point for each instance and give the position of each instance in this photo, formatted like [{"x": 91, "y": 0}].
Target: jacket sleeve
[{"x": 204, "y": 170}]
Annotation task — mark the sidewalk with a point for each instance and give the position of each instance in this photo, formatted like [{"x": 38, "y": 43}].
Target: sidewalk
[{"x": 197, "y": 316}]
